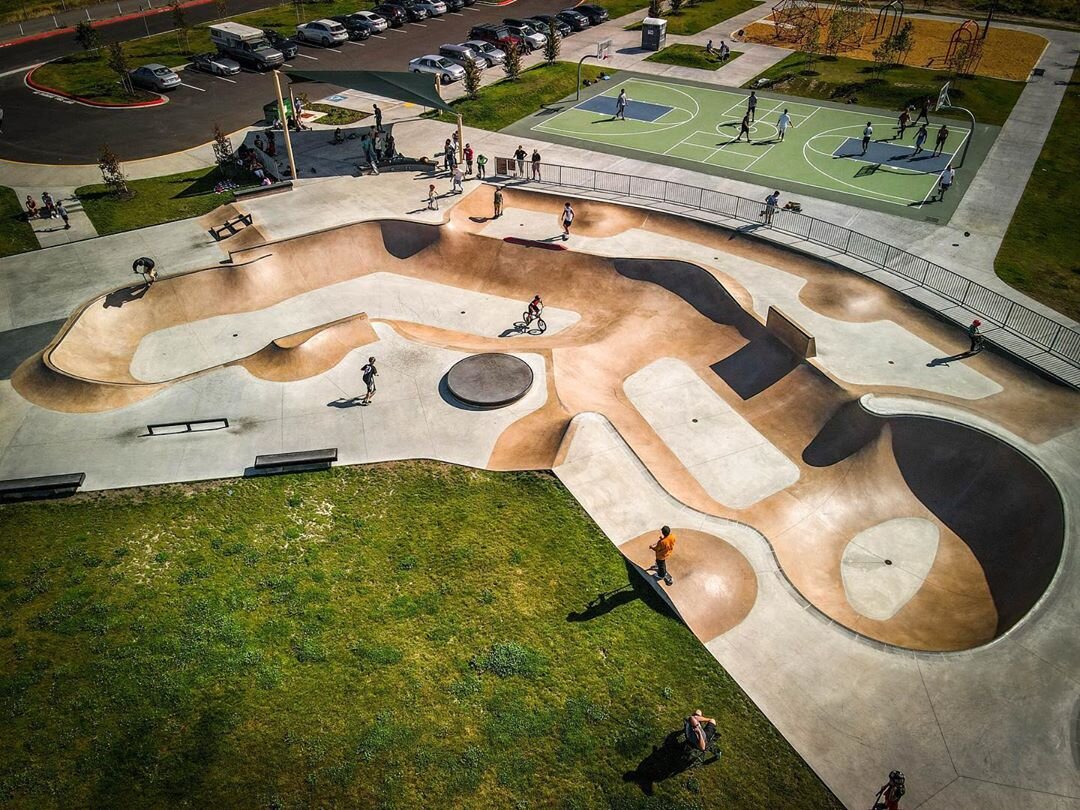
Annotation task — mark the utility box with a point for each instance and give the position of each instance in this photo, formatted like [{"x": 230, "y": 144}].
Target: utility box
[{"x": 653, "y": 33}]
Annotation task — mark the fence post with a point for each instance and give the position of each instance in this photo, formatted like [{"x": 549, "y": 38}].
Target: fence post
[
  {"x": 1057, "y": 334},
  {"x": 967, "y": 289},
  {"x": 847, "y": 244}
]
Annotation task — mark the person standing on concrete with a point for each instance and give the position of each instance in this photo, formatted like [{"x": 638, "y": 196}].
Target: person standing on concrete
[
  {"x": 48, "y": 205},
  {"x": 31, "y": 208},
  {"x": 536, "y": 164},
  {"x": 772, "y": 202},
  {"x": 567, "y": 220},
  {"x": 63, "y": 214},
  {"x": 520, "y": 156},
  {"x": 468, "y": 158},
  {"x": 751, "y": 106},
  {"x": 939, "y": 141},
  {"x": 620, "y": 105},
  {"x": 455, "y": 182},
  {"x": 367, "y": 145},
  {"x": 725, "y": 51},
  {"x": 975, "y": 336},
  {"x": 448, "y": 156},
  {"x": 378, "y": 117},
  {"x": 889, "y": 795},
  {"x": 498, "y": 202},
  {"x": 867, "y": 134},
  {"x": 369, "y": 373},
  {"x": 945, "y": 181},
  {"x": 920, "y": 139},
  {"x": 663, "y": 548},
  {"x": 432, "y": 198},
  {"x": 481, "y": 166},
  {"x": 782, "y": 124}
]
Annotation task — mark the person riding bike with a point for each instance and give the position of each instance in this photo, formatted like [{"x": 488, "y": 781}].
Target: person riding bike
[{"x": 536, "y": 306}]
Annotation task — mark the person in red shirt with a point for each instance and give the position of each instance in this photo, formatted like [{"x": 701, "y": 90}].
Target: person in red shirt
[
  {"x": 888, "y": 798},
  {"x": 663, "y": 548}
]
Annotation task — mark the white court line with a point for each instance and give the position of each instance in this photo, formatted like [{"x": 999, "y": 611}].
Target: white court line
[
  {"x": 312, "y": 58},
  {"x": 684, "y": 140},
  {"x": 193, "y": 87}
]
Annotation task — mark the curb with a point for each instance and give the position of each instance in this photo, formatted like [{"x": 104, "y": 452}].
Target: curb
[
  {"x": 134, "y": 15},
  {"x": 108, "y": 105}
]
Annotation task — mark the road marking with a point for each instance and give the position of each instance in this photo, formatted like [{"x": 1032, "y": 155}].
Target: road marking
[
  {"x": 418, "y": 25},
  {"x": 222, "y": 78},
  {"x": 396, "y": 30},
  {"x": 21, "y": 70},
  {"x": 350, "y": 42},
  {"x": 312, "y": 58},
  {"x": 335, "y": 50},
  {"x": 377, "y": 36},
  {"x": 437, "y": 19},
  {"x": 193, "y": 87}
]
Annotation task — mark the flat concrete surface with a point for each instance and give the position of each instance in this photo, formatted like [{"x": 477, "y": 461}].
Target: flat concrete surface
[{"x": 489, "y": 380}]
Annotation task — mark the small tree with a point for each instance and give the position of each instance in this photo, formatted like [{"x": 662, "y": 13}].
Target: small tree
[
  {"x": 512, "y": 65},
  {"x": 903, "y": 41},
  {"x": 655, "y": 8},
  {"x": 87, "y": 36},
  {"x": 473, "y": 74},
  {"x": 118, "y": 64},
  {"x": 675, "y": 6},
  {"x": 884, "y": 56},
  {"x": 180, "y": 23},
  {"x": 551, "y": 47},
  {"x": 221, "y": 7},
  {"x": 223, "y": 150},
  {"x": 113, "y": 174},
  {"x": 844, "y": 30}
]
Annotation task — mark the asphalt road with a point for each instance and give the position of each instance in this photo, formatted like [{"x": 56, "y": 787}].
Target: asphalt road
[{"x": 40, "y": 128}]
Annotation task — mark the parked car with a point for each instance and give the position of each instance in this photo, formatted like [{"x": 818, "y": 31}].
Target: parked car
[
  {"x": 462, "y": 55},
  {"x": 395, "y": 15},
  {"x": 442, "y": 67},
  {"x": 488, "y": 51},
  {"x": 215, "y": 64},
  {"x": 532, "y": 38},
  {"x": 376, "y": 22},
  {"x": 498, "y": 35},
  {"x": 543, "y": 23},
  {"x": 596, "y": 14},
  {"x": 322, "y": 32},
  {"x": 356, "y": 27},
  {"x": 155, "y": 77},
  {"x": 434, "y": 8},
  {"x": 454, "y": 5},
  {"x": 413, "y": 11},
  {"x": 279, "y": 42},
  {"x": 576, "y": 20},
  {"x": 246, "y": 45}
]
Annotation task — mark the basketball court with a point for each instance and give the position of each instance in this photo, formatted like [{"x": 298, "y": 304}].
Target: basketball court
[{"x": 697, "y": 126}]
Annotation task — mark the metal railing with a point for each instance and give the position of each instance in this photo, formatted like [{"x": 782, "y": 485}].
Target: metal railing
[{"x": 1056, "y": 338}]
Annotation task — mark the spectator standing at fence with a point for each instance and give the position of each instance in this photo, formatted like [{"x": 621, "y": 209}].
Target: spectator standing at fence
[
  {"x": 772, "y": 202},
  {"x": 368, "y": 373},
  {"x": 663, "y": 548},
  {"x": 536, "y": 164},
  {"x": 567, "y": 220},
  {"x": 520, "y": 156},
  {"x": 481, "y": 166},
  {"x": 751, "y": 106},
  {"x": 498, "y": 202},
  {"x": 920, "y": 139},
  {"x": 782, "y": 124},
  {"x": 620, "y": 105},
  {"x": 468, "y": 158},
  {"x": 939, "y": 141},
  {"x": 867, "y": 134},
  {"x": 945, "y": 181}
]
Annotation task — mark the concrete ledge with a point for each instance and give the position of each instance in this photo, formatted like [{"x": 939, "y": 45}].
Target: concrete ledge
[{"x": 791, "y": 334}]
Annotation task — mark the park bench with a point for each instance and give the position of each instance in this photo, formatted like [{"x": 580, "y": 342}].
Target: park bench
[
  {"x": 230, "y": 227},
  {"x": 302, "y": 461},
  {"x": 46, "y": 486}
]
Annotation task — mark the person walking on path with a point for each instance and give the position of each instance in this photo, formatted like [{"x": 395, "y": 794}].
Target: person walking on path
[
  {"x": 663, "y": 548},
  {"x": 920, "y": 139},
  {"x": 620, "y": 105},
  {"x": 867, "y": 134},
  {"x": 725, "y": 51},
  {"x": 902, "y": 123},
  {"x": 432, "y": 198},
  {"x": 945, "y": 181},
  {"x": 567, "y": 220},
  {"x": 782, "y": 124},
  {"x": 772, "y": 202},
  {"x": 481, "y": 166},
  {"x": 975, "y": 336},
  {"x": 378, "y": 117},
  {"x": 368, "y": 374},
  {"x": 63, "y": 214},
  {"x": 744, "y": 129},
  {"x": 924, "y": 111},
  {"x": 536, "y": 164},
  {"x": 455, "y": 183},
  {"x": 498, "y": 202},
  {"x": 468, "y": 159},
  {"x": 520, "y": 156},
  {"x": 939, "y": 141},
  {"x": 751, "y": 106}
]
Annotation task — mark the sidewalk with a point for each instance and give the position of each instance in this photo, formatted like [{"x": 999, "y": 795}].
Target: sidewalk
[{"x": 51, "y": 232}]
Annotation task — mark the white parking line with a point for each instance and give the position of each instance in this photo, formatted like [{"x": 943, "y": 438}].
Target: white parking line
[
  {"x": 312, "y": 58},
  {"x": 350, "y": 42},
  {"x": 193, "y": 87},
  {"x": 418, "y": 25},
  {"x": 396, "y": 30},
  {"x": 377, "y": 36},
  {"x": 335, "y": 50},
  {"x": 469, "y": 8},
  {"x": 436, "y": 19},
  {"x": 222, "y": 78}
]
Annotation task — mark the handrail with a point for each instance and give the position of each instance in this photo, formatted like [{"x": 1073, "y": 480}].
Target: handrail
[{"x": 1054, "y": 337}]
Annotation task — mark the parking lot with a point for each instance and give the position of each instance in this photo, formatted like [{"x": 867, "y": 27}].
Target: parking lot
[{"x": 203, "y": 100}]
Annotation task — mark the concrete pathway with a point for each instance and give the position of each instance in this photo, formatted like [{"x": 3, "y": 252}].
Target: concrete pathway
[{"x": 51, "y": 232}]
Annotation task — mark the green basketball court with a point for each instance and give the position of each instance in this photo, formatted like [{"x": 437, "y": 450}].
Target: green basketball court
[{"x": 696, "y": 126}]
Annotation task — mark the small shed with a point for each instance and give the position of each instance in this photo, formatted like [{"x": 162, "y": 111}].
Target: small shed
[{"x": 653, "y": 33}]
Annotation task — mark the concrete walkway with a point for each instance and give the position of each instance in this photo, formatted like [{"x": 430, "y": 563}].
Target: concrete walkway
[{"x": 51, "y": 232}]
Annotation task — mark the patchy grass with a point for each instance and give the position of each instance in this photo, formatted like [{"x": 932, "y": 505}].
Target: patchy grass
[
  {"x": 16, "y": 235},
  {"x": 336, "y": 116},
  {"x": 619, "y": 8},
  {"x": 156, "y": 200},
  {"x": 395, "y": 636},
  {"x": 705, "y": 14},
  {"x": 501, "y": 104},
  {"x": 1038, "y": 255},
  {"x": 691, "y": 56},
  {"x": 841, "y": 79}
]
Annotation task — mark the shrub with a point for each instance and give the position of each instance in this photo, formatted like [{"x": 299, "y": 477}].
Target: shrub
[{"x": 506, "y": 659}]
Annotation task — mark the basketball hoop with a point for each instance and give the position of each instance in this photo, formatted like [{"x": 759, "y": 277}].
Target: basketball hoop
[
  {"x": 603, "y": 49},
  {"x": 943, "y": 101}
]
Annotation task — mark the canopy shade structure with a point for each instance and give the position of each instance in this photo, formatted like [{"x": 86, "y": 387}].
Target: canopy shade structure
[{"x": 418, "y": 88}]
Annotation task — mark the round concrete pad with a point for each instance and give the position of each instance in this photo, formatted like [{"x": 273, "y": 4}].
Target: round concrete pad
[
  {"x": 714, "y": 584},
  {"x": 490, "y": 380}
]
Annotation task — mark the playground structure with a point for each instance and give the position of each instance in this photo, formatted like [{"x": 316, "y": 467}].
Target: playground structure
[
  {"x": 891, "y": 17},
  {"x": 965, "y": 50}
]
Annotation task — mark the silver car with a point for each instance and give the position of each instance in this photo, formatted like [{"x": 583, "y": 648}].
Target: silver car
[
  {"x": 215, "y": 64},
  {"x": 434, "y": 8},
  {"x": 155, "y": 77},
  {"x": 322, "y": 32},
  {"x": 376, "y": 21},
  {"x": 442, "y": 67},
  {"x": 487, "y": 51},
  {"x": 462, "y": 55}
]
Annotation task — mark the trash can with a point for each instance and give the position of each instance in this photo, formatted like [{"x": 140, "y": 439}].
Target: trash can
[{"x": 653, "y": 33}]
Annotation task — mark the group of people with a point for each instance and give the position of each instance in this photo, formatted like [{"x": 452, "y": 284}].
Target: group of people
[
  {"x": 722, "y": 53},
  {"x": 49, "y": 209},
  {"x": 535, "y": 161},
  {"x": 460, "y": 161}
]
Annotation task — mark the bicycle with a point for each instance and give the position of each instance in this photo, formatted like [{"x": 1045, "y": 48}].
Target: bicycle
[{"x": 527, "y": 319}]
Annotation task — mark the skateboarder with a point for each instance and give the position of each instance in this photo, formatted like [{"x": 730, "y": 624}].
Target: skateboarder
[
  {"x": 498, "y": 202},
  {"x": 567, "y": 220},
  {"x": 888, "y": 797},
  {"x": 144, "y": 265},
  {"x": 663, "y": 548},
  {"x": 975, "y": 336},
  {"x": 369, "y": 373}
]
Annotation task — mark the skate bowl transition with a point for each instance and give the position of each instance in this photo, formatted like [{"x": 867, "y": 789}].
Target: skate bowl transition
[{"x": 918, "y": 532}]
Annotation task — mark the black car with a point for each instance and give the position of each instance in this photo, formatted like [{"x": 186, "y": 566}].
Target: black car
[
  {"x": 498, "y": 35},
  {"x": 543, "y": 23},
  {"x": 395, "y": 15},
  {"x": 413, "y": 12},
  {"x": 358, "y": 27},
  {"x": 288, "y": 47},
  {"x": 579, "y": 22},
  {"x": 596, "y": 14},
  {"x": 454, "y": 5}
]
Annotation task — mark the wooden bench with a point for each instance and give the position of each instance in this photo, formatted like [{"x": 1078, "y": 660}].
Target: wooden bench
[
  {"x": 302, "y": 461},
  {"x": 46, "y": 486},
  {"x": 230, "y": 227}
]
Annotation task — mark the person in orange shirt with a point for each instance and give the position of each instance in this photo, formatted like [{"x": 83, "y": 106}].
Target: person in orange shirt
[{"x": 663, "y": 548}]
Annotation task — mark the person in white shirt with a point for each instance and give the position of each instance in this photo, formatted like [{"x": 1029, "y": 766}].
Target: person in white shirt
[
  {"x": 567, "y": 220},
  {"x": 945, "y": 181},
  {"x": 867, "y": 134},
  {"x": 782, "y": 124}
]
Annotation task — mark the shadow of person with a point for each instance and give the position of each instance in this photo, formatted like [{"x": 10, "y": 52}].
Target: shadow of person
[
  {"x": 518, "y": 328},
  {"x": 117, "y": 298},
  {"x": 344, "y": 402},
  {"x": 944, "y": 361},
  {"x": 666, "y": 760},
  {"x": 635, "y": 588}
]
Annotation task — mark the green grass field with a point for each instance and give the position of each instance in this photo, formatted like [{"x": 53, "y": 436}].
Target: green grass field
[
  {"x": 16, "y": 235},
  {"x": 406, "y": 635},
  {"x": 703, "y": 14},
  {"x": 692, "y": 56},
  {"x": 697, "y": 127}
]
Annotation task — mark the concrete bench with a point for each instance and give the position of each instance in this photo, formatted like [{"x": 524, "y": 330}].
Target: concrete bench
[
  {"x": 262, "y": 191},
  {"x": 301, "y": 461},
  {"x": 46, "y": 486}
]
